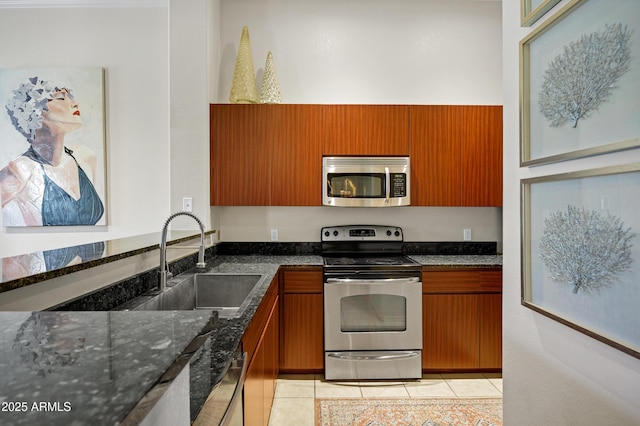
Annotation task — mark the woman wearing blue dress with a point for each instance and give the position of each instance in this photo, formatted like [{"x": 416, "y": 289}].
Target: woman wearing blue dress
[{"x": 50, "y": 184}]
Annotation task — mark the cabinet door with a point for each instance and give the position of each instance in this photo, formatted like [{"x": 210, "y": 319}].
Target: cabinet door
[
  {"x": 490, "y": 331},
  {"x": 450, "y": 331},
  {"x": 456, "y": 155},
  {"x": 302, "y": 339},
  {"x": 271, "y": 360},
  {"x": 366, "y": 130},
  {"x": 296, "y": 155},
  {"x": 260, "y": 381},
  {"x": 303, "y": 348},
  {"x": 240, "y": 155},
  {"x": 482, "y": 155},
  {"x": 435, "y": 155},
  {"x": 254, "y": 412}
]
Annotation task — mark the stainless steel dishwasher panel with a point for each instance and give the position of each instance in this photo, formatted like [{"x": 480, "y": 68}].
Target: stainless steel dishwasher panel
[{"x": 224, "y": 405}]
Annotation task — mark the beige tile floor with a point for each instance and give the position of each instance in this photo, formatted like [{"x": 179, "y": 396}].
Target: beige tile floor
[{"x": 295, "y": 394}]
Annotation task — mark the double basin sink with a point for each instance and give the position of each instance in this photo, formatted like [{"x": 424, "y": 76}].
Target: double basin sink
[{"x": 227, "y": 293}]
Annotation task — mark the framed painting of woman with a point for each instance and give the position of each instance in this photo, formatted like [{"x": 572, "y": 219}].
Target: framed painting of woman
[{"x": 52, "y": 132}]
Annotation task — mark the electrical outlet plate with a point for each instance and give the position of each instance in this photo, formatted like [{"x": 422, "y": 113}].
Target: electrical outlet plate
[
  {"x": 187, "y": 204},
  {"x": 467, "y": 234},
  {"x": 274, "y": 234}
]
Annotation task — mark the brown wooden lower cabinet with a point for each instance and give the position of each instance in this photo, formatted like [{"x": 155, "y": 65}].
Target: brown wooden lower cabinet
[
  {"x": 491, "y": 331},
  {"x": 450, "y": 331},
  {"x": 462, "y": 329},
  {"x": 462, "y": 320},
  {"x": 302, "y": 340},
  {"x": 260, "y": 381}
]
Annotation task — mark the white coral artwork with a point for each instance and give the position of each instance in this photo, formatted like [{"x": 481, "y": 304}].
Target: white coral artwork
[
  {"x": 585, "y": 248},
  {"x": 582, "y": 77}
]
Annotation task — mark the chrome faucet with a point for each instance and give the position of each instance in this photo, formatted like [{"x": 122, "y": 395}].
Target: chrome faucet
[{"x": 164, "y": 273}]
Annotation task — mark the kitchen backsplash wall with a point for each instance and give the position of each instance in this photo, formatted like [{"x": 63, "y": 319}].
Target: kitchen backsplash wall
[{"x": 304, "y": 223}]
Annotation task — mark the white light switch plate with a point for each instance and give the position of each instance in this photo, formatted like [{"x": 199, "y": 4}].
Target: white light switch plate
[{"x": 467, "y": 234}]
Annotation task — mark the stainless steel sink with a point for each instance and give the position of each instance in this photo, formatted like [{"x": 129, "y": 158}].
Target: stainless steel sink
[
  {"x": 227, "y": 293},
  {"x": 224, "y": 292}
]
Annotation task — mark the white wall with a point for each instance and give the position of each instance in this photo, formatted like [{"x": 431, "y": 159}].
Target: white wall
[
  {"x": 131, "y": 45},
  {"x": 304, "y": 223},
  {"x": 189, "y": 48},
  {"x": 371, "y": 52},
  {"x": 552, "y": 374}
]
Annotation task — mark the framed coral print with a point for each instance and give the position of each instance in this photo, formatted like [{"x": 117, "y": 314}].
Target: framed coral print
[
  {"x": 581, "y": 254},
  {"x": 579, "y": 82},
  {"x": 52, "y": 162},
  {"x": 532, "y": 10}
]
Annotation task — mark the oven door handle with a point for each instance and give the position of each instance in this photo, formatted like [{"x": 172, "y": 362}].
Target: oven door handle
[
  {"x": 381, "y": 281},
  {"x": 374, "y": 356}
]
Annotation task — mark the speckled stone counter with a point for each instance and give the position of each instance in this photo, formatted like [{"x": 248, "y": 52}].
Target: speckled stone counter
[
  {"x": 78, "y": 368},
  {"x": 228, "y": 332},
  {"x": 103, "y": 363},
  {"x": 30, "y": 268},
  {"x": 458, "y": 261}
]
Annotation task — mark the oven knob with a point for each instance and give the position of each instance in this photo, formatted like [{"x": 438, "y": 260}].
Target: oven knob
[
  {"x": 388, "y": 232},
  {"x": 326, "y": 233},
  {"x": 397, "y": 234},
  {"x": 335, "y": 233}
]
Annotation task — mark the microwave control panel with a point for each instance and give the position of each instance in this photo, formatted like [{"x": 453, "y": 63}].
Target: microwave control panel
[{"x": 398, "y": 185}]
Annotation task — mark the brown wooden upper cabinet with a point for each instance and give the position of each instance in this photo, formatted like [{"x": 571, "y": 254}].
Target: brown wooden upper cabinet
[
  {"x": 366, "y": 130},
  {"x": 271, "y": 155},
  {"x": 456, "y": 155},
  {"x": 266, "y": 155},
  {"x": 240, "y": 163}
]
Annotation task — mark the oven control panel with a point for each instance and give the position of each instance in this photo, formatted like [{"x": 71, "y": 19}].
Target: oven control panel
[{"x": 362, "y": 233}]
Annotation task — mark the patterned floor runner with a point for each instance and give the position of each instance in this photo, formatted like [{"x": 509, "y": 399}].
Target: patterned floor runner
[{"x": 409, "y": 412}]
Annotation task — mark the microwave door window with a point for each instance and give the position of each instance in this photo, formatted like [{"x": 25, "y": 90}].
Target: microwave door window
[{"x": 356, "y": 185}]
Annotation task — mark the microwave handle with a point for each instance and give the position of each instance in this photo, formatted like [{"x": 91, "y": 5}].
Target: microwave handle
[{"x": 388, "y": 185}]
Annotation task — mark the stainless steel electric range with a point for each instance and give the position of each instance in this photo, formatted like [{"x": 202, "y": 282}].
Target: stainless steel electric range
[{"x": 372, "y": 304}]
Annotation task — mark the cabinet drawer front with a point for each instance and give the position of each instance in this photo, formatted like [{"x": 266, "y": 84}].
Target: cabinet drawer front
[
  {"x": 450, "y": 281},
  {"x": 462, "y": 281},
  {"x": 491, "y": 280},
  {"x": 303, "y": 281}
]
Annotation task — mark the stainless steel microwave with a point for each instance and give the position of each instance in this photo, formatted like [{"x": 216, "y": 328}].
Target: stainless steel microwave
[{"x": 366, "y": 181}]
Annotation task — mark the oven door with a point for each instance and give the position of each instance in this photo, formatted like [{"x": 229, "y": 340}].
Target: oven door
[{"x": 372, "y": 314}]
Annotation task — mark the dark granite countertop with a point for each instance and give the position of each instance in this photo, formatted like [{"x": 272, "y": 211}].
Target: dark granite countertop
[
  {"x": 77, "y": 368},
  {"x": 458, "y": 261},
  {"x": 23, "y": 270},
  {"x": 228, "y": 332},
  {"x": 102, "y": 364}
]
